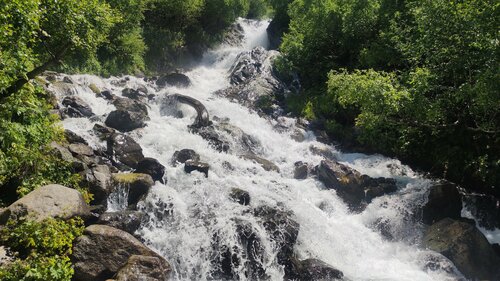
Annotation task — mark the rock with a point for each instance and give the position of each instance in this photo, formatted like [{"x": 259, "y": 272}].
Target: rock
[
  {"x": 192, "y": 165},
  {"x": 74, "y": 138},
  {"x": 128, "y": 221},
  {"x": 81, "y": 149},
  {"x": 103, "y": 250},
  {"x": 142, "y": 89},
  {"x": 49, "y": 201},
  {"x": 130, "y": 115},
  {"x": 77, "y": 105},
  {"x": 151, "y": 167},
  {"x": 180, "y": 157},
  {"x": 234, "y": 35},
  {"x": 315, "y": 270},
  {"x": 485, "y": 208},
  {"x": 322, "y": 151},
  {"x": 144, "y": 268},
  {"x": 103, "y": 132},
  {"x": 266, "y": 164},
  {"x": 138, "y": 186},
  {"x": 134, "y": 94},
  {"x": 5, "y": 257},
  {"x": 465, "y": 246},
  {"x": 68, "y": 80},
  {"x": 63, "y": 153},
  {"x": 98, "y": 180},
  {"x": 93, "y": 87},
  {"x": 356, "y": 190},
  {"x": 253, "y": 83},
  {"x": 125, "y": 150},
  {"x": 170, "y": 103},
  {"x": 107, "y": 94},
  {"x": 174, "y": 79},
  {"x": 240, "y": 196},
  {"x": 301, "y": 170},
  {"x": 444, "y": 201},
  {"x": 216, "y": 140}
]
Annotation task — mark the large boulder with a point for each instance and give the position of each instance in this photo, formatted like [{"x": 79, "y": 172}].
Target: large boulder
[
  {"x": 103, "y": 250},
  {"x": 444, "y": 201},
  {"x": 127, "y": 220},
  {"x": 143, "y": 268},
  {"x": 49, "y": 201},
  {"x": 355, "y": 189},
  {"x": 130, "y": 115},
  {"x": 77, "y": 107},
  {"x": 124, "y": 150},
  {"x": 137, "y": 186},
  {"x": 151, "y": 167},
  {"x": 174, "y": 79},
  {"x": 462, "y": 243}
]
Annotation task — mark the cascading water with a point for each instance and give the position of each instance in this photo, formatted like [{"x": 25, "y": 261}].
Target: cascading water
[{"x": 188, "y": 212}]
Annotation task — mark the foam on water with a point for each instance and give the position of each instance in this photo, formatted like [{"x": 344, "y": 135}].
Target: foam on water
[{"x": 189, "y": 209}]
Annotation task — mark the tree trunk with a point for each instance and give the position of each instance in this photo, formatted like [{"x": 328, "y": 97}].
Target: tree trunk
[{"x": 19, "y": 83}]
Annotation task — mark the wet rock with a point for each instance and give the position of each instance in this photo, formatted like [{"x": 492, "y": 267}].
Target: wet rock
[
  {"x": 462, "y": 243},
  {"x": 266, "y": 164},
  {"x": 356, "y": 190},
  {"x": 315, "y": 270},
  {"x": 240, "y": 196},
  {"x": 74, "y": 138},
  {"x": 151, "y": 167},
  {"x": 68, "y": 80},
  {"x": 77, "y": 107},
  {"x": 191, "y": 165},
  {"x": 49, "y": 201},
  {"x": 254, "y": 84},
  {"x": 216, "y": 140},
  {"x": 180, "y": 157},
  {"x": 301, "y": 170},
  {"x": 107, "y": 94},
  {"x": 81, "y": 149},
  {"x": 103, "y": 250},
  {"x": 322, "y": 151},
  {"x": 103, "y": 132},
  {"x": 144, "y": 268},
  {"x": 128, "y": 221},
  {"x": 134, "y": 94},
  {"x": 174, "y": 79},
  {"x": 125, "y": 150},
  {"x": 485, "y": 208},
  {"x": 138, "y": 186},
  {"x": 234, "y": 35},
  {"x": 98, "y": 181},
  {"x": 444, "y": 201},
  {"x": 171, "y": 102},
  {"x": 130, "y": 115}
]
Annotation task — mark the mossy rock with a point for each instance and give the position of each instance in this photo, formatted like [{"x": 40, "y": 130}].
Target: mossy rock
[
  {"x": 95, "y": 89},
  {"x": 138, "y": 186}
]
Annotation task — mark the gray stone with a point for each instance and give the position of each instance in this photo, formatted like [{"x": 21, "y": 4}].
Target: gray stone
[
  {"x": 151, "y": 167},
  {"x": 191, "y": 165},
  {"x": 125, "y": 150},
  {"x": 240, "y": 196},
  {"x": 444, "y": 201},
  {"x": 301, "y": 170},
  {"x": 103, "y": 250},
  {"x": 81, "y": 149},
  {"x": 49, "y": 201},
  {"x": 77, "y": 104},
  {"x": 181, "y": 156},
  {"x": 264, "y": 163},
  {"x": 144, "y": 268},
  {"x": 465, "y": 246},
  {"x": 128, "y": 221}
]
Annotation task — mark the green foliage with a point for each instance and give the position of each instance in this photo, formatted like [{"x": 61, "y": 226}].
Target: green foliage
[
  {"x": 44, "y": 249},
  {"x": 414, "y": 79},
  {"x": 26, "y": 129}
]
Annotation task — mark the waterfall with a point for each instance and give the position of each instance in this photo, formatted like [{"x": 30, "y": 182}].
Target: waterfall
[{"x": 188, "y": 213}]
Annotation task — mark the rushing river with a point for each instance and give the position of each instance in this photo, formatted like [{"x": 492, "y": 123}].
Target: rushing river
[{"x": 196, "y": 208}]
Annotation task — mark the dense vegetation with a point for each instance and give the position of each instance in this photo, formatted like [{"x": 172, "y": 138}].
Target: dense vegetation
[{"x": 413, "y": 79}]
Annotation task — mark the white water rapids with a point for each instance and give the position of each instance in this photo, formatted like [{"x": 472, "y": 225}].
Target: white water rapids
[{"x": 198, "y": 207}]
